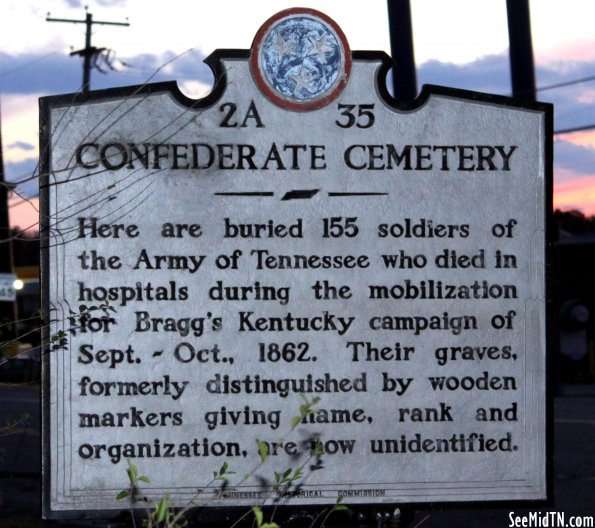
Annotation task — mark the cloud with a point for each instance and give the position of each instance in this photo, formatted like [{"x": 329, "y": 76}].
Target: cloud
[
  {"x": 21, "y": 145},
  {"x": 489, "y": 74},
  {"x": 59, "y": 73},
  {"x": 38, "y": 73},
  {"x": 576, "y": 194},
  {"x": 187, "y": 66},
  {"x": 585, "y": 138},
  {"x": 578, "y": 158},
  {"x": 23, "y": 171},
  {"x": 576, "y": 50},
  {"x": 573, "y": 102},
  {"x": 110, "y": 3},
  {"x": 103, "y": 3}
]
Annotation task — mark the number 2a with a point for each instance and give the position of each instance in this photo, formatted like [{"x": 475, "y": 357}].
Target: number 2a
[
  {"x": 364, "y": 119},
  {"x": 229, "y": 110}
]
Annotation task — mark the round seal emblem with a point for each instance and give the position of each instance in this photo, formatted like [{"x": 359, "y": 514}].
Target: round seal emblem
[{"x": 300, "y": 59}]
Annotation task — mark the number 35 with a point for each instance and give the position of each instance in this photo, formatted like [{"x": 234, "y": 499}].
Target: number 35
[{"x": 363, "y": 119}]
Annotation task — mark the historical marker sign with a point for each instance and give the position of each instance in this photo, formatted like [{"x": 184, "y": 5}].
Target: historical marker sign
[
  {"x": 210, "y": 265},
  {"x": 7, "y": 289}
]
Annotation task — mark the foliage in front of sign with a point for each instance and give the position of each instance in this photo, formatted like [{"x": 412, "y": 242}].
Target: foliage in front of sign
[
  {"x": 157, "y": 515},
  {"x": 164, "y": 514},
  {"x": 259, "y": 516}
]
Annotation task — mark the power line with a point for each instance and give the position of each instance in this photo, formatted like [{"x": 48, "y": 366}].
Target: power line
[
  {"x": 89, "y": 53},
  {"x": 567, "y": 83},
  {"x": 574, "y": 129}
]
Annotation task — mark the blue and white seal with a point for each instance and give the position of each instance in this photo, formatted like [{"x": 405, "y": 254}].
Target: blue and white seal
[{"x": 300, "y": 59}]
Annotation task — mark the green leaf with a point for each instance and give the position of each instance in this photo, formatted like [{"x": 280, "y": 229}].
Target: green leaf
[
  {"x": 161, "y": 510},
  {"x": 297, "y": 474},
  {"x": 263, "y": 450},
  {"x": 295, "y": 421},
  {"x": 257, "y": 515},
  {"x": 339, "y": 506},
  {"x": 145, "y": 479},
  {"x": 122, "y": 495},
  {"x": 318, "y": 449},
  {"x": 269, "y": 525},
  {"x": 223, "y": 472}
]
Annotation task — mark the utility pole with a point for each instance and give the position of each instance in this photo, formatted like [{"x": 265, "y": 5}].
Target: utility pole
[
  {"x": 88, "y": 52},
  {"x": 522, "y": 68},
  {"x": 401, "y": 45}
]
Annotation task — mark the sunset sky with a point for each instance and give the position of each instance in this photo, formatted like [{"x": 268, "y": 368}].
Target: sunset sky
[{"x": 458, "y": 43}]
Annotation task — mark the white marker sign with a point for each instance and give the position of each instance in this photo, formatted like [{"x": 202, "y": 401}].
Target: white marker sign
[
  {"x": 7, "y": 289},
  {"x": 299, "y": 270}
]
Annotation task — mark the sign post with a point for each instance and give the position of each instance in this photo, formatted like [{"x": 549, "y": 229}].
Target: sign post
[{"x": 295, "y": 274}]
